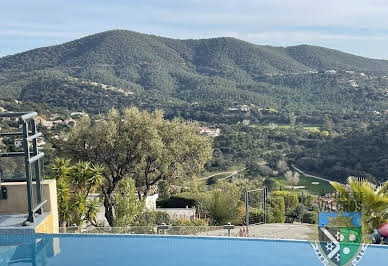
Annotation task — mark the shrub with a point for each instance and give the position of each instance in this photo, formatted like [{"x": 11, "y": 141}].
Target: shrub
[
  {"x": 182, "y": 222},
  {"x": 290, "y": 200},
  {"x": 296, "y": 214},
  {"x": 127, "y": 206},
  {"x": 188, "y": 227},
  {"x": 270, "y": 184},
  {"x": 187, "y": 222},
  {"x": 255, "y": 216},
  {"x": 276, "y": 209},
  {"x": 221, "y": 206},
  {"x": 181, "y": 200},
  {"x": 211, "y": 181},
  {"x": 164, "y": 189},
  {"x": 161, "y": 217},
  {"x": 306, "y": 200},
  {"x": 148, "y": 218},
  {"x": 310, "y": 217},
  {"x": 240, "y": 220},
  {"x": 266, "y": 170},
  {"x": 185, "y": 189}
]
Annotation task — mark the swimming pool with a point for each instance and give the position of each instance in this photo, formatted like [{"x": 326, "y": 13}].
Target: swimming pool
[{"x": 139, "y": 250}]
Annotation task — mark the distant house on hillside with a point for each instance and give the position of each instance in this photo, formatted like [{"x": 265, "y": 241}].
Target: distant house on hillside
[
  {"x": 210, "y": 132},
  {"x": 246, "y": 122},
  {"x": 245, "y": 108},
  {"x": 69, "y": 122},
  {"x": 331, "y": 71},
  {"x": 353, "y": 83},
  {"x": 40, "y": 120},
  {"x": 73, "y": 114},
  {"x": 48, "y": 124}
]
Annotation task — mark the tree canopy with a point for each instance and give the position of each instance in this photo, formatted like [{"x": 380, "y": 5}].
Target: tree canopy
[{"x": 138, "y": 145}]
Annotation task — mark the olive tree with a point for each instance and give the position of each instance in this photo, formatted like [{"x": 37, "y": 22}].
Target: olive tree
[{"x": 138, "y": 145}]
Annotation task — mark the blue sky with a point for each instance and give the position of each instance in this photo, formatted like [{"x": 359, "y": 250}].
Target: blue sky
[{"x": 355, "y": 26}]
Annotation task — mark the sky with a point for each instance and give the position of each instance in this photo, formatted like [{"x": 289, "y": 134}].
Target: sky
[{"x": 355, "y": 26}]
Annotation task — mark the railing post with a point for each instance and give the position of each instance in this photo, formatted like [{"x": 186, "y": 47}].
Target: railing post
[
  {"x": 31, "y": 217},
  {"x": 28, "y": 160},
  {"x": 37, "y": 166},
  {"x": 265, "y": 210},
  {"x": 246, "y": 209},
  {"x": 162, "y": 228}
]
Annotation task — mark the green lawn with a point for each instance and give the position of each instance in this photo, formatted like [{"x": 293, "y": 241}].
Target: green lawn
[{"x": 307, "y": 182}]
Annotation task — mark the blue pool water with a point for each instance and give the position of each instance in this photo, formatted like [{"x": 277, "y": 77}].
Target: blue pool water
[{"x": 162, "y": 251}]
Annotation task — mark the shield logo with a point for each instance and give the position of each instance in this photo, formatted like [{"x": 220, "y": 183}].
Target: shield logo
[{"x": 340, "y": 238}]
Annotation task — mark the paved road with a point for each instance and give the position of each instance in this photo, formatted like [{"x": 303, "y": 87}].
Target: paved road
[
  {"x": 207, "y": 177},
  {"x": 221, "y": 173},
  {"x": 232, "y": 174},
  {"x": 313, "y": 176}
]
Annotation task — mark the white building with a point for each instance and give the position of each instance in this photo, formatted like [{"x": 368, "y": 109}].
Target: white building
[
  {"x": 331, "y": 71},
  {"x": 210, "y": 132},
  {"x": 150, "y": 202}
]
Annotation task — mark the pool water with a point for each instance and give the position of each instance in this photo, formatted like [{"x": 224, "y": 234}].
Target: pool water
[{"x": 162, "y": 251}]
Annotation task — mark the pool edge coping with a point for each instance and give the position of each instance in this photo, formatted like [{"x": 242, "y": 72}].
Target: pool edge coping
[{"x": 250, "y": 239}]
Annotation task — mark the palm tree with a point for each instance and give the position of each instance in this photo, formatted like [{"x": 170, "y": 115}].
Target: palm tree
[
  {"x": 74, "y": 185},
  {"x": 61, "y": 169},
  {"x": 361, "y": 195}
]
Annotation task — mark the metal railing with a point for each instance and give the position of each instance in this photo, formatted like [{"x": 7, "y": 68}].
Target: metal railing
[
  {"x": 263, "y": 231},
  {"x": 29, "y": 134},
  {"x": 262, "y": 201}
]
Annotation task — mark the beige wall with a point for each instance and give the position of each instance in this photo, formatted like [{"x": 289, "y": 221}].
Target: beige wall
[{"x": 17, "y": 202}]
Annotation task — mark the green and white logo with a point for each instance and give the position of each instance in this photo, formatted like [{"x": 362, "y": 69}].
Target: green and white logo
[{"x": 340, "y": 238}]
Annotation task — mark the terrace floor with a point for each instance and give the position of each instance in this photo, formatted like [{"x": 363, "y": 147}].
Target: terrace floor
[
  {"x": 13, "y": 223},
  {"x": 272, "y": 231},
  {"x": 283, "y": 231}
]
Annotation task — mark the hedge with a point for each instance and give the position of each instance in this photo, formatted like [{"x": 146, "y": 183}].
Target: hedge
[
  {"x": 276, "y": 209},
  {"x": 291, "y": 200},
  {"x": 148, "y": 218},
  {"x": 181, "y": 200}
]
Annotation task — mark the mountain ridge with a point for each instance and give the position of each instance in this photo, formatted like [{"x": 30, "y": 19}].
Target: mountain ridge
[
  {"x": 221, "y": 69},
  {"x": 283, "y": 51}
]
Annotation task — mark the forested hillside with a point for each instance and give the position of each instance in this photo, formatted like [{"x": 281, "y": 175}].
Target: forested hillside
[
  {"x": 237, "y": 86},
  {"x": 122, "y": 68},
  {"x": 353, "y": 149}
]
